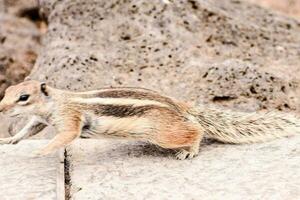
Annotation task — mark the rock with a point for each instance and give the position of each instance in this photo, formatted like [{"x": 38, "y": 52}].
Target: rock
[
  {"x": 19, "y": 40},
  {"x": 26, "y": 177},
  {"x": 16, "y": 61},
  {"x": 246, "y": 87},
  {"x": 168, "y": 47},
  {"x": 120, "y": 170}
]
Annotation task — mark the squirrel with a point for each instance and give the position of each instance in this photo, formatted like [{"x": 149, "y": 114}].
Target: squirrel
[{"x": 136, "y": 113}]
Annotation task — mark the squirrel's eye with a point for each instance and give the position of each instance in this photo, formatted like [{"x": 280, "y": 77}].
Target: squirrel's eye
[{"x": 24, "y": 97}]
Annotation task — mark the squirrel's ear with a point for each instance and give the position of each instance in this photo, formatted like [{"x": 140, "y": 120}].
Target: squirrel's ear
[{"x": 44, "y": 89}]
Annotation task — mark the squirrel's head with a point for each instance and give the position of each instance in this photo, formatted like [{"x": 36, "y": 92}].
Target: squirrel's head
[{"x": 25, "y": 97}]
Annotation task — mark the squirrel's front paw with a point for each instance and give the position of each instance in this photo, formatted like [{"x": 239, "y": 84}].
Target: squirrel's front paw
[{"x": 9, "y": 140}]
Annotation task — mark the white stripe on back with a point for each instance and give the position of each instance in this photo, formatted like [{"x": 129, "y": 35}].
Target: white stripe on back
[{"x": 117, "y": 101}]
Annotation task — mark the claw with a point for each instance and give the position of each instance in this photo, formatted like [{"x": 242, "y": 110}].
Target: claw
[{"x": 184, "y": 154}]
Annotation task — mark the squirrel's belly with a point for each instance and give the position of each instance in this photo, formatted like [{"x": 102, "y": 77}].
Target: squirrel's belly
[
  {"x": 98, "y": 134},
  {"x": 129, "y": 127}
]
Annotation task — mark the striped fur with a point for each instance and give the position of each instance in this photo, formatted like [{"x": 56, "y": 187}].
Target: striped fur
[
  {"x": 130, "y": 93},
  {"x": 116, "y": 101}
]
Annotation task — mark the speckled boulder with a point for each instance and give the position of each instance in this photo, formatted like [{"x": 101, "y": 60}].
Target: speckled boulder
[
  {"x": 246, "y": 87},
  {"x": 168, "y": 45}
]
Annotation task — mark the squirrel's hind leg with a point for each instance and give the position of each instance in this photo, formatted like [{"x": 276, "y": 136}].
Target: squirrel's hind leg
[{"x": 189, "y": 152}]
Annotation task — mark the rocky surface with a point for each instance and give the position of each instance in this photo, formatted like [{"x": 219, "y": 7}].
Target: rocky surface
[
  {"x": 169, "y": 46},
  {"x": 19, "y": 41},
  {"x": 121, "y": 170},
  {"x": 26, "y": 177},
  {"x": 206, "y": 51},
  {"x": 245, "y": 87}
]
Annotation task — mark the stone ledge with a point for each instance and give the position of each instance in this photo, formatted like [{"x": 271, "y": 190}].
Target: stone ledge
[
  {"x": 116, "y": 169},
  {"x": 26, "y": 177}
]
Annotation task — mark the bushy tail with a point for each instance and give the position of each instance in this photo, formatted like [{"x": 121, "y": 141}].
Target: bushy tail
[{"x": 242, "y": 127}]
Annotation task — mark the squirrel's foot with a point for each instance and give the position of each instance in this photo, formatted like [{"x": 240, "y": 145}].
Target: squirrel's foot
[
  {"x": 183, "y": 154},
  {"x": 9, "y": 140}
]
